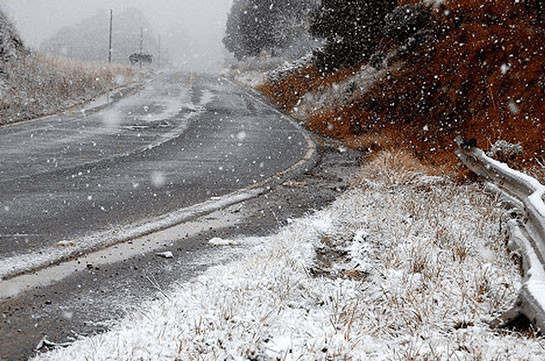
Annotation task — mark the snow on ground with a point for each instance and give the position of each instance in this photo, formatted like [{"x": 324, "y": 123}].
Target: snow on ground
[
  {"x": 222, "y": 242},
  {"x": 344, "y": 92},
  {"x": 253, "y": 79},
  {"x": 289, "y": 67},
  {"x": 402, "y": 267},
  {"x": 252, "y": 72},
  {"x": 255, "y": 72}
]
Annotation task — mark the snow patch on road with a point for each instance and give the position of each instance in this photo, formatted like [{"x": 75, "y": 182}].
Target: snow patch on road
[
  {"x": 25, "y": 262},
  {"x": 222, "y": 242},
  {"x": 388, "y": 272},
  {"x": 162, "y": 101}
]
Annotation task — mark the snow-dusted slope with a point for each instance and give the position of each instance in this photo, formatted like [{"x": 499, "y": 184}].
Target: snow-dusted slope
[{"x": 404, "y": 267}]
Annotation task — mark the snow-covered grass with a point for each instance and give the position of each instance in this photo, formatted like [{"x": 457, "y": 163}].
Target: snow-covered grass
[
  {"x": 289, "y": 67},
  {"x": 255, "y": 74},
  {"x": 538, "y": 171},
  {"x": 405, "y": 266},
  {"x": 252, "y": 72},
  {"x": 343, "y": 92},
  {"x": 37, "y": 84}
]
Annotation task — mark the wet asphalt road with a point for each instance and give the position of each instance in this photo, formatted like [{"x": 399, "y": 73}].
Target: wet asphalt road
[
  {"x": 178, "y": 142},
  {"x": 90, "y": 301},
  {"x": 169, "y": 146}
]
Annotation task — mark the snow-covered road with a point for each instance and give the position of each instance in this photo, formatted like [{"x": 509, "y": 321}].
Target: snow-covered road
[
  {"x": 102, "y": 287},
  {"x": 68, "y": 178}
]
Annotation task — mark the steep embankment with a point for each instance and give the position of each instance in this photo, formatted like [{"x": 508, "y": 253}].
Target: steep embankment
[
  {"x": 476, "y": 70},
  {"x": 32, "y": 85}
]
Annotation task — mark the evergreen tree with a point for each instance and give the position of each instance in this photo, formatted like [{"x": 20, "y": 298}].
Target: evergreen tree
[
  {"x": 292, "y": 24},
  {"x": 233, "y": 36},
  {"x": 351, "y": 29},
  {"x": 257, "y": 25}
]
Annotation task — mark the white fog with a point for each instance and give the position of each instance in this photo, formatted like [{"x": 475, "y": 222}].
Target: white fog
[{"x": 191, "y": 30}]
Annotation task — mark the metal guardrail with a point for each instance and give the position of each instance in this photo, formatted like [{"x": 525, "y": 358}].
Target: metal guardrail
[{"x": 526, "y": 233}]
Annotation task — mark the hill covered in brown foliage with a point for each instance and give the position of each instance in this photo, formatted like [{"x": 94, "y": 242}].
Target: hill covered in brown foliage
[{"x": 477, "y": 70}]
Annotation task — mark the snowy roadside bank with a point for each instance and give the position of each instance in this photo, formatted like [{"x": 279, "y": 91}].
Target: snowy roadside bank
[
  {"x": 41, "y": 85},
  {"x": 404, "y": 266}
]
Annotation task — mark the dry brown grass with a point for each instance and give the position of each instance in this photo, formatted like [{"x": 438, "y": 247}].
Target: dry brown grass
[
  {"x": 538, "y": 171},
  {"x": 482, "y": 79},
  {"x": 393, "y": 168},
  {"x": 38, "y": 85}
]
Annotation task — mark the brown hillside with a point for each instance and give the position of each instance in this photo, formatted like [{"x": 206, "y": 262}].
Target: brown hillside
[
  {"x": 288, "y": 91},
  {"x": 479, "y": 73}
]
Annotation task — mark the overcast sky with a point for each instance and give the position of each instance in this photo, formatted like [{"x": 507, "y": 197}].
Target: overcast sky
[{"x": 203, "y": 21}]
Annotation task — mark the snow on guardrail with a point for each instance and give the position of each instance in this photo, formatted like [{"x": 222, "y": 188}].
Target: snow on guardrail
[{"x": 526, "y": 234}]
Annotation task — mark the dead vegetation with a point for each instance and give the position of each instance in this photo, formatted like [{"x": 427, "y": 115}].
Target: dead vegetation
[
  {"x": 393, "y": 168},
  {"x": 538, "y": 171},
  {"x": 288, "y": 91},
  {"x": 478, "y": 71},
  {"x": 419, "y": 236}
]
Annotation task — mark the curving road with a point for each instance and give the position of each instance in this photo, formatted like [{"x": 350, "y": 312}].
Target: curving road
[{"x": 178, "y": 142}]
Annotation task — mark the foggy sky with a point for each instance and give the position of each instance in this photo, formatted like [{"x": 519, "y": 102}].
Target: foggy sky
[{"x": 202, "y": 21}]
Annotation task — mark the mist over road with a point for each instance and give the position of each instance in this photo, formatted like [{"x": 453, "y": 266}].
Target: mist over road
[{"x": 178, "y": 142}]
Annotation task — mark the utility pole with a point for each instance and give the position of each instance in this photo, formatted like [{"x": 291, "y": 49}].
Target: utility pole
[
  {"x": 141, "y": 44},
  {"x": 159, "y": 54},
  {"x": 111, "y": 29}
]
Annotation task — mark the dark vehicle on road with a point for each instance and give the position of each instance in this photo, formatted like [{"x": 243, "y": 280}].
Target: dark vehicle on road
[{"x": 141, "y": 58}]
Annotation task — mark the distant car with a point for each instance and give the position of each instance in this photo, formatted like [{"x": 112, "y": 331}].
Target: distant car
[{"x": 141, "y": 58}]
